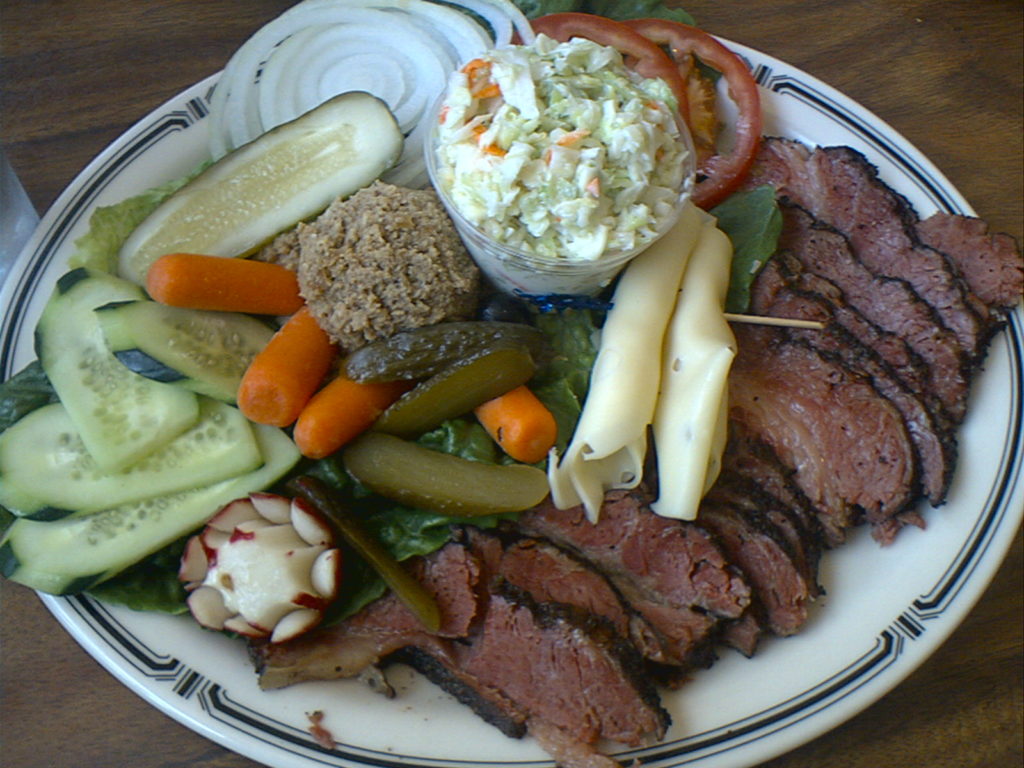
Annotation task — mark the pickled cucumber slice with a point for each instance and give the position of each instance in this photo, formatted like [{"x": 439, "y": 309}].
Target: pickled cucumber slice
[
  {"x": 427, "y": 351},
  {"x": 426, "y": 479},
  {"x": 206, "y": 352},
  {"x": 405, "y": 586},
  {"x": 46, "y": 473},
  {"x": 71, "y": 555},
  {"x": 286, "y": 175},
  {"x": 456, "y": 391},
  {"x": 121, "y": 416}
]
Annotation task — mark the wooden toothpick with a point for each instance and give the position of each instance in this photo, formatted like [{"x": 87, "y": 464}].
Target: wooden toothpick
[{"x": 783, "y": 322}]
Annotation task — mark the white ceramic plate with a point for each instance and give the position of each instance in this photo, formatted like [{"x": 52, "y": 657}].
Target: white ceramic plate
[{"x": 886, "y": 610}]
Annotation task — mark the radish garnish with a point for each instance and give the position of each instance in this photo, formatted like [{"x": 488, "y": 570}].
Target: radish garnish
[{"x": 264, "y": 566}]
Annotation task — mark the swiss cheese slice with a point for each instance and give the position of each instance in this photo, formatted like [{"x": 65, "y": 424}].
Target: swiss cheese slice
[{"x": 609, "y": 445}]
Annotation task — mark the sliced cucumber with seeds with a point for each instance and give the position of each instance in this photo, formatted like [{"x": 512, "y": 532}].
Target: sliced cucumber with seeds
[
  {"x": 122, "y": 417},
  {"x": 73, "y": 554},
  {"x": 206, "y": 352},
  {"x": 46, "y": 472},
  {"x": 286, "y": 175}
]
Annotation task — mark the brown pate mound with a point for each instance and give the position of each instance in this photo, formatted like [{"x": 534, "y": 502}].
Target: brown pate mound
[{"x": 385, "y": 259}]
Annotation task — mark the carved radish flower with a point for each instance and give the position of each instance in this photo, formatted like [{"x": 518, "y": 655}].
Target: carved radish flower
[{"x": 264, "y": 566}]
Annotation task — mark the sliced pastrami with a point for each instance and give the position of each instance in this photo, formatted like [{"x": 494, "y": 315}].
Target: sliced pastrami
[
  {"x": 452, "y": 575},
  {"x": 839, "y": 186},
  {"x": 549, "y": 669},
  {"x": 889, "y": 304},
  {"x": 779, "y": 292},
  {"x": 748, "y": 456},
  {"x": 880, "y": 224},
  {"x": 991, "y": 264},
  {"x": 756, "y": 545},
  {"x": 888, "y": 301},
  {"x": 848, "y": 445},
  {"x": 565, "y": 667},
  {"x": 774, "y": 516},
  {"x": 670, "y": 572},
  {"x": 550, "y": 574}
]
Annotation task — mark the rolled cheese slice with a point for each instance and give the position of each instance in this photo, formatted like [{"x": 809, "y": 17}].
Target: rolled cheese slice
[
  {"x": 609, "y": 445},
  {"x": 690, "y": 419}
]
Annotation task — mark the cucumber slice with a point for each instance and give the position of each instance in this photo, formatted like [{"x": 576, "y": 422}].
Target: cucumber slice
[
  {"x": 122, "y": 417},
  {"x": 286, "y": 175},
  {"x": 46, "y": 473},
  {"x": 206, "y": 352},
  {"x": 71, "y": 555}
]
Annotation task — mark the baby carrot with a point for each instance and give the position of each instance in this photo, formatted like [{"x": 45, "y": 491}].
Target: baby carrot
[
  {"x": 520, "y": 423},
  {"x": 569, "y": 138},
  {"x": 481, "y": 86},
  {"x": 342, "y": 410},
  {"x": 195, "y": 281},
  {"x": 283, "y": 376}
]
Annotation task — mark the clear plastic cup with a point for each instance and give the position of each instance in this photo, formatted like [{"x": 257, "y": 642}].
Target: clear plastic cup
[{"x": 518, "y": 272}]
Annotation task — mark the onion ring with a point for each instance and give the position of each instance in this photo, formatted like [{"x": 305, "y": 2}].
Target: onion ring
[{"x": 401, "y": 51}]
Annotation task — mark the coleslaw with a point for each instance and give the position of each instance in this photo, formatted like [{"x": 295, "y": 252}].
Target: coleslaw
[{"x": 560, "y": 151}]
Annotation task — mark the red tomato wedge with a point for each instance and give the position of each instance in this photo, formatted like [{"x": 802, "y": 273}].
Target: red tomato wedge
[
  {"x": 640, "y": 54},
  {"x": 722, "y": 173}
]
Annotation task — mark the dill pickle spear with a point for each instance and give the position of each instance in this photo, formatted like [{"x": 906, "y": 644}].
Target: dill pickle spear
[
  {"x": 284, "y": 176},
  {"x": 457, "y": 390},
  {"x": 424, "y": 352},
  {"x": 407, "y": 589},
  {"x": 440, "y": 482}
]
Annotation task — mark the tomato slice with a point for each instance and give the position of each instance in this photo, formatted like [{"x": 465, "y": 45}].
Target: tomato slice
[
  {"x": 722, "y": 173},
  {"x": 701, "y": 97},
  {"x": 640, "y": 54}
]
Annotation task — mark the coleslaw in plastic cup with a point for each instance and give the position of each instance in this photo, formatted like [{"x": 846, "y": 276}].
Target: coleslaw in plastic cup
[{"x": 557, "y": 164}]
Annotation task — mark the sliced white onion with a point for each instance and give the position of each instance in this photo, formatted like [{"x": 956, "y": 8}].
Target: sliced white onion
[
  {"x": 319, "y": 62},
  {"x": 502, "y": 16},
  {"x": 399, "y": 50}
]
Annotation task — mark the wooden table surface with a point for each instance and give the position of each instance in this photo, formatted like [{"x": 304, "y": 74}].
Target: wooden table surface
[{"x": 74, "y": 74}]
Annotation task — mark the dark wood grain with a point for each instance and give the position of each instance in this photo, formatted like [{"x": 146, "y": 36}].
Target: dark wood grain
[{"x": 75, "y": 74}]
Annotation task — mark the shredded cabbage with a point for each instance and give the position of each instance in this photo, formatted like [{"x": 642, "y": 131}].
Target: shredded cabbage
[{"x": 577, "y": 156}]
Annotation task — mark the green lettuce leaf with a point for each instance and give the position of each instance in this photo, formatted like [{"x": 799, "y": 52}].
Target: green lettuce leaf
[
  {"x": 534, "y": 8},
  {"x": 23, "y": 393},
  {"x": 572, "y": 334},
  {"x": 330, "y": 470},
  {"x": 149, "y": 585},
  {"x": 465, "y": 438},
  {"x": 613, "y": 9},
  {"x": 636, "y": 9},
  {"x": 412, "y": 532},
  {"x": 360, "y": 586},
  {"x": 753, "y": 221},
  {"x": 405, "y": 533},
  {"x": 563, "y": 382}
]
